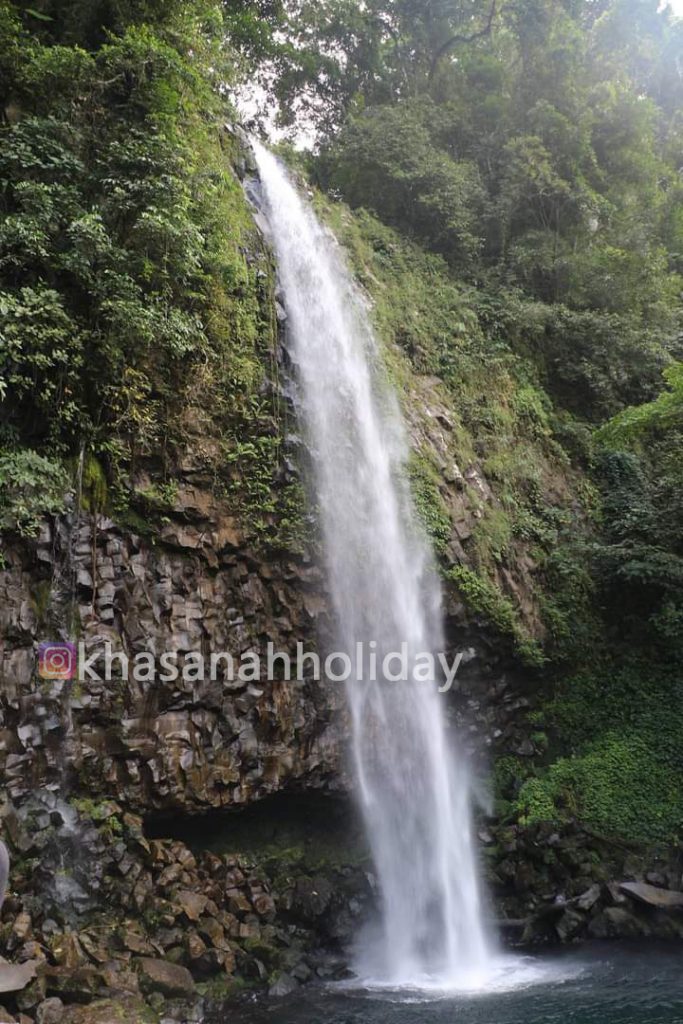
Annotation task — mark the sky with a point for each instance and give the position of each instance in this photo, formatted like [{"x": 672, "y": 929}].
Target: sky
[{"x": 677, "y": 6}]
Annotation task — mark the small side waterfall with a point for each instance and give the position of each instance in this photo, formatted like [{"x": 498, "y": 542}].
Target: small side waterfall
[{"x": 413, "y": 789}]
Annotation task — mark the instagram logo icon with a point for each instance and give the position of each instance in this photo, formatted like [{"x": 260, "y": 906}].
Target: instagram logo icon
[{"x": 57, "y": 660}]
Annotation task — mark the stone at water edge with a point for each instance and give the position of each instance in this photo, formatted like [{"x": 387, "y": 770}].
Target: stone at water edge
[
  {"x": 284, "y": 986},
  {"x": 588, "y": 899},
  {"x": 663, "y": 899},
  {"x": 569, "y": 925},
  {"x": 617, "y": 923}
]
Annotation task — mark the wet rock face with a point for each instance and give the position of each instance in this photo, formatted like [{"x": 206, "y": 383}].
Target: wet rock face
[
  {"x": 555, "y": 887},
  {"x": 171, "y": 922},
  {"x": 96, "y": 900},
  {"x": 187, "y": 743}
]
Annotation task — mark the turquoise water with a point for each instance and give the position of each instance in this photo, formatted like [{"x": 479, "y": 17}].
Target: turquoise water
[{"x": 594, "y": 985}]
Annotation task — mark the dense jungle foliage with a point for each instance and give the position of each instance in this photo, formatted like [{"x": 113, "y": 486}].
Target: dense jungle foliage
[{"x": 514, "y": 169}]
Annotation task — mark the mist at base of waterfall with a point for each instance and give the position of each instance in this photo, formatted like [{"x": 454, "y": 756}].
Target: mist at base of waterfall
[
  {"x": 602, "y": 983},
  {"x": 500, "y": 972},
  {"x": 503, "y": 973}
]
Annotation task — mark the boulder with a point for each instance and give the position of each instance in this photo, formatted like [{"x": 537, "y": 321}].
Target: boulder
[
  {"x": 284, "y": 986},
  {"x": 616, "y": 923},
  {"x": 125, "y": 1010},
  {"x": 588, "y": 899},
  {"x": 15, "y": 977},
  {"x": 171, "y": 980},
  {"x": 50, "y": 1012},
  {"x": 193, "y": 904},
  {"x": 312, "y": 897},
  {"x": 569, "y": 925},
  {"x": 652, "y": 896}
]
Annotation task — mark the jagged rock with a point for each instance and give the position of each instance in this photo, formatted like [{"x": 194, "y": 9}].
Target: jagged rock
[
  {"x": 302, "y": 972},
  {"x": 131, "y": 938},
  {"x": 264, "y": 905},
  {"x": 118, "y": 978},
  {"x": 80, "y": 984},
  {"x": 212, "y": 961},
  {"x": 212, "y": 932},
  {"x": 194, "y": 945},
  {"x": 614, "y": 894},
  {"x": 588, "y": 899},
  {"x": 662, "y": 899},
  {"x": 14, "y": 977},
  {"x": 50, "y": 1012},
  {"x": 66, "y": 949},
  {"x": 171, "y": 980},
  {"x": 34, "y": 994},
  {"x": 238, "y": 902},
  {"x": 193, "y": 904},
  {"x": 312, "y": 897},
  {"x": 123, "y": 1010},
  {"x": 21, "y": 929},
  {"x": 569, "y": 925},
  {"x": 616, "y": 923},
  {"x": 284, "y": 986}
]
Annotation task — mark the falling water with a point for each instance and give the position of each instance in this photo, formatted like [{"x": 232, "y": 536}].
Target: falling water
[{"x": 413, "y": 789}]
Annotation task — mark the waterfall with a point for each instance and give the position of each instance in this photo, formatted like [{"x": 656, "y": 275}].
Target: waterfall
[{"x": 413, "y": 787}]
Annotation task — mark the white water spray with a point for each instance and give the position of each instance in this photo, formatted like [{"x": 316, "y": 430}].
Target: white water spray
[{"x": 413, "y": 789}]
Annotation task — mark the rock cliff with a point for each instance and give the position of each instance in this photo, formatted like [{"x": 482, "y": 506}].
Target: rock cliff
[{"x": 169, "y": 834}]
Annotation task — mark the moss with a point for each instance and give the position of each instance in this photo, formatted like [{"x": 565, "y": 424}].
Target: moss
[
  {"x": 485, "y": 600},
  {"x": 609, "y": 751},
  {"x": 224, "y": 987},
  {"x": 428, "y": 503},
  {"x": 160, "y": 496},
  {"x": 131, "y": 520},
  {"x": 434, "y": 326},
  {"x": 103, "y": 813},
  {"x": 93, "y": 485},
  {"x": 41, "y": 593},
  {"x": 617, "y": 787},
  {"x": 265, "y": 952}
]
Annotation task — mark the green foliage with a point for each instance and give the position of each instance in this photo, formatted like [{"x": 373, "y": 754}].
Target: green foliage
[
  {"x": 385, "y": 160},
  {"x": 31, "y": 486},
  {"x": 135, "y": 295},
  {"x": 41, "y": 348},
  {"x": 540, "y": 157},
  {"x": 665, "y": 412},
  {"x": 103, "y": 813},
  {"x": 542, "y": 165},
  {"x": 92, "y": 483},
  {"x": 616, "y": 765},
  {"x": 640, "y": 553},
  {"x": 534, "y": 157},
  {"x": 429, "y": 506},
  {"x": 484, "y": 599},
  {"x": 500, "y": 417},
  {"x": 617, "y": 788}
]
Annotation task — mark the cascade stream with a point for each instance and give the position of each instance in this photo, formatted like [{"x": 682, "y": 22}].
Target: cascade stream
[{"x": 413, "y": 787}]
